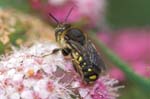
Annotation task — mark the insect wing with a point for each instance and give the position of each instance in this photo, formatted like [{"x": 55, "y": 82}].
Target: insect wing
[
  {"x": 76, "y": 46},
  {"x": 94, "y": 56},
  {"x": 89, "y": 53}
]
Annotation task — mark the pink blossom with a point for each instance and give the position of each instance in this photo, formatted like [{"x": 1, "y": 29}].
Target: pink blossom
[
  {"x": 132, "y": 46},
  {"x": 142, "y": 68},
  {"x": 116, "y": 73},
  {"x": 103, "y": 89},
  {"x": 36, "y": 4},
  {"x": 91, "y": 11},
  {"x": 35, "y": 73}
]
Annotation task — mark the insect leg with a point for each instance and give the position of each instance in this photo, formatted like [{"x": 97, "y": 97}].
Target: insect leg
[
  {"x": 66, "y": 51},
  {"x": 76, "y": 46},
  {"x": 53, "y": 52},
  {"x": 77, "y": 67},
  {"x": 56, "y": 50}
]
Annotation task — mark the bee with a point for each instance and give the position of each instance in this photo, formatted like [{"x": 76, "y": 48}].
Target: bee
[{"x": 85, "y": 58}]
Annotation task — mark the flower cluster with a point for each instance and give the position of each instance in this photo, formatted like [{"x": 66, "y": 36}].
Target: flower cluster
[
  {"x": 103, "y": 89},
  {"x": 36, "y": 73}
]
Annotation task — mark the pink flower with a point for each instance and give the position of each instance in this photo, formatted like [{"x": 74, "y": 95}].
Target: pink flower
[
  {"x": 132, "y": 46},
  {"x": 116, "y": 73},
  {"x": 36, "y": 4},
  {"x": 103, "y": 89},
  {"x": 140, "y": 67},
  {"x": 35, "y": 73},
  {"x": 91, "y": 11}
]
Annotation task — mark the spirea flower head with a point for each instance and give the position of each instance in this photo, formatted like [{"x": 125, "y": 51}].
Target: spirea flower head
[{"x": 35, "y": 73}]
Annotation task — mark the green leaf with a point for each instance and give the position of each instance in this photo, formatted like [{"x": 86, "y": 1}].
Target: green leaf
[{"x": 132, "y": 91}]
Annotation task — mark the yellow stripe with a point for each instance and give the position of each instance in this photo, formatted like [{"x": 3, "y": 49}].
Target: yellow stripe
[
  {"x": 76, "y": 53},
  {"x": 84, "y": 63},
  {"x": 92, "y": 77},
  {"x": 89, "y": 70},
  {"x": 80, "y": 59},
  {"x": 75, "y": 56}
]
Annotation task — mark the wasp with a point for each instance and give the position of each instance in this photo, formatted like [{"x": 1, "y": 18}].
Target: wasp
[{"x": 85, "y": 58}]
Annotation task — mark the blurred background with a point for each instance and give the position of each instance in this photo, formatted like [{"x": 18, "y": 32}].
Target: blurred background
[{"x": 122, "y": 25}]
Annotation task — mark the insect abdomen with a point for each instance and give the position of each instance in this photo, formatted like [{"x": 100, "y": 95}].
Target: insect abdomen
[{"x": 87, "y": 72}]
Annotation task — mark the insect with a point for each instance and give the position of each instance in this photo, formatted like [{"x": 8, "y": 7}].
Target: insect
[{"x": 85, "y": 58}]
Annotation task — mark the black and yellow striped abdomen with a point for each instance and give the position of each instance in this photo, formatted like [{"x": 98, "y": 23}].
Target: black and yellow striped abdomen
[{"x": 83, "y": 67}]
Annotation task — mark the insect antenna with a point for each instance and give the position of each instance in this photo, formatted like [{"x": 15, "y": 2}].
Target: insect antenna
[
  {"x": 68, "y": 14},
  {"x": 57, "y": 22}
]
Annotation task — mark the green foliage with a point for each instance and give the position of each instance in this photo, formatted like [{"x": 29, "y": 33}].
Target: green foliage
[
  {"x": 128, "y": 13},
  {"x": 18, "y": 4},
  {"x": 19, "y": 34},
  {"x": 132, "y": 91},
  {"x": 2, "y": 47}
]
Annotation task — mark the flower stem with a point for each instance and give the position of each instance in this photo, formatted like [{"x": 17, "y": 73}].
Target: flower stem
[{"x": 130, "y": 74}]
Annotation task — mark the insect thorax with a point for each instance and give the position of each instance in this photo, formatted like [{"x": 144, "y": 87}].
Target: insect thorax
[{"x": 76, "y": 35}]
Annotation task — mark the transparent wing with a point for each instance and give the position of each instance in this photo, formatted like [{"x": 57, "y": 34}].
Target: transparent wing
[{"x": 94, "y": 56}]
